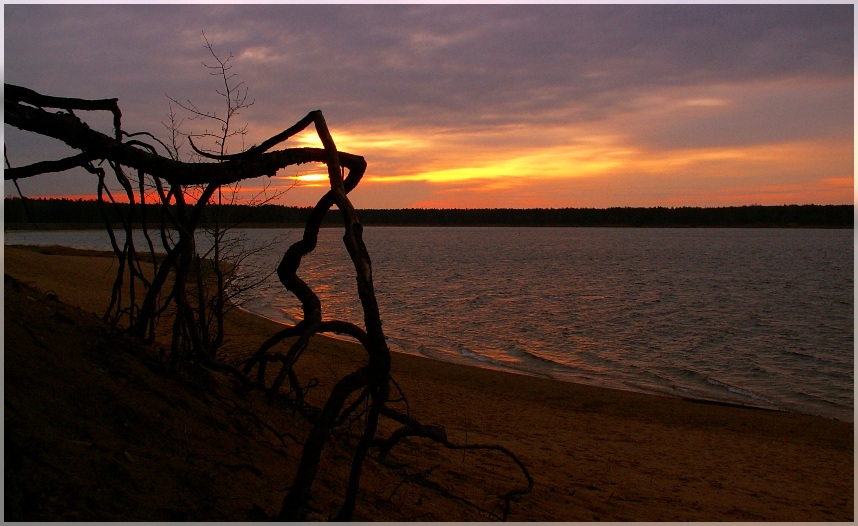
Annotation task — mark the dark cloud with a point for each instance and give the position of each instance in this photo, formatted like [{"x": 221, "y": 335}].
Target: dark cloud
[
  {"x": 428, "y": 63},
  {"x": 434, "y": 67}
]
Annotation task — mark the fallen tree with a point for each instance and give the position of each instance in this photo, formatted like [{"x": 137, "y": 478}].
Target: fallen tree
[{"x": 362, "y": 396}]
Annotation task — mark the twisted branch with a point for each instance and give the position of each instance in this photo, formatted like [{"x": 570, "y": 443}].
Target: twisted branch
[{"x": 369, "y": 386}]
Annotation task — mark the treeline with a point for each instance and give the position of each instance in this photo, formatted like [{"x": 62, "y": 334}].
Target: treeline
[
  {"x": 82, "y": 212},
  {"x": 758, "y": 216},
  {"x": 86, "y": 213}
]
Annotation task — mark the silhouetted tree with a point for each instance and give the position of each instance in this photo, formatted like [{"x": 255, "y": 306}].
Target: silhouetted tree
[{"x": 361, "y": 396}]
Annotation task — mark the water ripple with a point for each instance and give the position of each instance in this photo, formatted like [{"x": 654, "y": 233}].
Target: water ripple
[{"x": 759, "y": 317}]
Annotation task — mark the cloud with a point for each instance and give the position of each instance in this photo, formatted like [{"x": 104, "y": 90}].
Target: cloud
[
  {"x": 463, "y": 92},
  {"x": 429, "y": 64}
]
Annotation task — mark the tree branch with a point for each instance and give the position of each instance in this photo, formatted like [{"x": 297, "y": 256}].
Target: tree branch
[{"x": 95, "y": 145}]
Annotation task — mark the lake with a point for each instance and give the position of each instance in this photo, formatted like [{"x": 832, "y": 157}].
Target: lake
[{"x": 760, "y": 317}]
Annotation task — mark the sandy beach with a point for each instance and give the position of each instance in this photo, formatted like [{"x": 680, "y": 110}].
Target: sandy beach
[{"x": 595, "y": 454}]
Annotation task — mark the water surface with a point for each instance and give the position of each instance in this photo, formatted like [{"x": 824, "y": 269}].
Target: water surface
[{"x": 760, "y": 317}]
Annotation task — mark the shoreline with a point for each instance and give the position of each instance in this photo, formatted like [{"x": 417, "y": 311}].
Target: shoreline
[
  {"x": 596, "y": 453},
  {"x": 475, "y": 364},
  {"x": 678, "y": 392},
  {"x": 56, "y": 227},
  {"x": 395, "y": 349}
]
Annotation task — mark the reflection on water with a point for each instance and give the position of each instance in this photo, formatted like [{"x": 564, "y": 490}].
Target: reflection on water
[{"x": 752, "y": 316}]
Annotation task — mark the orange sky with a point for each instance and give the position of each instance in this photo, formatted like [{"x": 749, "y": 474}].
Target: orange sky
[{"x": 485, "y": 106}]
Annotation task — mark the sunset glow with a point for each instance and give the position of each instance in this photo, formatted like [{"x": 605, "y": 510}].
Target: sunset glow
[
  {"x": 612, "y": 107},
  {"x": 313, "y": 179}
]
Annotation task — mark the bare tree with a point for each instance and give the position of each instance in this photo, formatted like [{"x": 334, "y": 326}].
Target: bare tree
[
  {"x": 226, "y": 251},
  {"x": 362, "y": 397}
]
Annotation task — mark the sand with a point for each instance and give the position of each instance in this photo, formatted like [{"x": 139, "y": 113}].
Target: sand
[{"x": 595, "y": 453}]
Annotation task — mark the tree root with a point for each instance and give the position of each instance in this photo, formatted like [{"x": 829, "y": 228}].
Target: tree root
[{"x": 361, "y": 397}]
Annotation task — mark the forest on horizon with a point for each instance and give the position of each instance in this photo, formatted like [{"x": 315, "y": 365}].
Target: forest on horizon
[{"x": 78, "y": 213}]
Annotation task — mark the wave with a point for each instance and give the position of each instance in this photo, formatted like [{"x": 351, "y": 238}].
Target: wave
[{"x": 744, "y": 393}]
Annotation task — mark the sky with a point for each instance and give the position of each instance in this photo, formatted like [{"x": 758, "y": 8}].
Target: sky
[{"x": 478, "y": 106}]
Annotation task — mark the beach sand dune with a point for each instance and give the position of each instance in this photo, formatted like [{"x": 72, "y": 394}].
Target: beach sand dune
[{"x": 93, "y": 430}]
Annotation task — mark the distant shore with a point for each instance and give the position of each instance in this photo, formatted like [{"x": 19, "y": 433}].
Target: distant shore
[
  {"x": 95, "y": 226},
  {"x": 596, "y": 453},
  {"x": 68, "y": 214}
]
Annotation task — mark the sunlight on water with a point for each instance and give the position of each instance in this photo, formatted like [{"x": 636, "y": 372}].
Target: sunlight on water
[{"x": 760, "y": 317}]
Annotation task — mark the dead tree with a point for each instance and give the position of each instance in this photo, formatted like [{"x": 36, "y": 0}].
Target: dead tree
[
  {"x": 363, "y": 394},
  {"x": 223, "y": 258}
]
